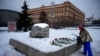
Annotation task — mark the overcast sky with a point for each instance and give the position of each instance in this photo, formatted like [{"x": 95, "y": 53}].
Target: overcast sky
[{"x": 89, "y": 7}]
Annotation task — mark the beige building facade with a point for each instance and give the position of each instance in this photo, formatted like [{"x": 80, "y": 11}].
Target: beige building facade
[{"x": 64, "y": 14}]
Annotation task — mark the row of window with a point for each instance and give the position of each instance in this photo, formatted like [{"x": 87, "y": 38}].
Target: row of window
[
  {"x": 60, "y": 9},
  {"x": 59, "y": 13}
]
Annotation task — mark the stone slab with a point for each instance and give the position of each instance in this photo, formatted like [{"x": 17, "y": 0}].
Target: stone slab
[
  {"x": 29, "y": 51},
  {"x": 19, "y": 46}
]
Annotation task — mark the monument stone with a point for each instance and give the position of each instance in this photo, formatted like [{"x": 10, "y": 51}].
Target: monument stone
[{"x": 40, "y": 30}]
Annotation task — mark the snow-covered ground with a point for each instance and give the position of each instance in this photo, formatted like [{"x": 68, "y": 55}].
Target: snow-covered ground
[{"x": 8, "y": 50}]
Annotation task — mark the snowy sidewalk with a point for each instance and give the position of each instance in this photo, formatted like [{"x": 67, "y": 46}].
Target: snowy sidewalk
[{"x": 78, "y": 53}]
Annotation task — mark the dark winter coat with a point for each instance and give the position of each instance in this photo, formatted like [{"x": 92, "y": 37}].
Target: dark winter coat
[{"x": 85, "y": 36}]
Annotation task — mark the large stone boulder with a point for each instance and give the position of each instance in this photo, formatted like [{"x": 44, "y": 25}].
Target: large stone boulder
[{"x": 40, "y": 30}]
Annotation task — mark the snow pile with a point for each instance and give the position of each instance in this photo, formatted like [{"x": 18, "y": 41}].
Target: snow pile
[
  {"x": 42, "y": 25},
  {"x": 3, "y": 28}
]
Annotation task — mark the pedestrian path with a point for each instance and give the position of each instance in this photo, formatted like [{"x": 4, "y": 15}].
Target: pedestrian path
[{"x": 78, "y": 53}]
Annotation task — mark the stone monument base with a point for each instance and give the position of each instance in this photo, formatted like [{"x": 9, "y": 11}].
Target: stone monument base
[{"x": 29, "y": 51}]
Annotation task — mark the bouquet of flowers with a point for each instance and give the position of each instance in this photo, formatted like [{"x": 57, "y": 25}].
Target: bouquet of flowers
[
  {"x": 55, "y": 42},
  {"x": 60, "y": 41}
]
